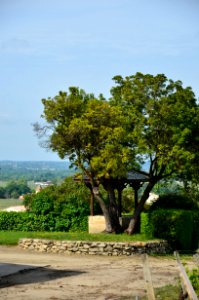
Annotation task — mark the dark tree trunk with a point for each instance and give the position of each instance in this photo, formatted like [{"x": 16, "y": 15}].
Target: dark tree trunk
[
  {"x": 113, "y": 210},
  {"x": 132, "y": 225},
  {"x": 91, "y": 204},
  {"x": 119, "y": 200}
]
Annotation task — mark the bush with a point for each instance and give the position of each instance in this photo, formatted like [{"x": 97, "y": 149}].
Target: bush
[
  {"x": 146, "y": 226},
  {"x": 70, "y": 196},
  {"x": 195, "y": 236},
  {"x": 178, "y": 227},
  {"x": 25, "y": 221},
  {"x": 174, "y": 201}
]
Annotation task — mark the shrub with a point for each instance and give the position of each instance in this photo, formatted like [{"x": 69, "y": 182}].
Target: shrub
[
  {"x": 174, "y": 201},
  {"x": 25, "y": 221},
  {"x": 146, "y": 225},
  {"x": 195, "y": 236},
  {"x": 55, "y": 199},
  {"x": 176, "y": 226}
]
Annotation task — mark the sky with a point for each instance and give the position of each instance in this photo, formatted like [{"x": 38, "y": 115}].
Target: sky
[{"x": 49, "y": 45}]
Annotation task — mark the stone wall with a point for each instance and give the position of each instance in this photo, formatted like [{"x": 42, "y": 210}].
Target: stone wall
[{"x": 95, "y": 248}]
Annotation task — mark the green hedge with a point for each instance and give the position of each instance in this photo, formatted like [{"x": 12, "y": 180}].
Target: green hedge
[
  {"x": 24, "y": 221},
  {"x": 179, "y": 227}
]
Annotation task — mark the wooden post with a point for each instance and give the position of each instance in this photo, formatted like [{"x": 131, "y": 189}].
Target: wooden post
[
  {"x": 147, "y": 277},
  {"x": 186, "y": 284}
]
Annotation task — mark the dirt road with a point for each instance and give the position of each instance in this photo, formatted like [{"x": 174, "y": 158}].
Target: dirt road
[{"x": 31, "y": 276}]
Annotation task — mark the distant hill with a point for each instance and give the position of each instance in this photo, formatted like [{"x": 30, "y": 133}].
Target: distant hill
[
  {"x": 39, "y": 170},
  {"x": 34, "y": 170}
]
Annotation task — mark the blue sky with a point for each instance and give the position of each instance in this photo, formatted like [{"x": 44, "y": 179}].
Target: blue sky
[{"x": 48, "y": 45}]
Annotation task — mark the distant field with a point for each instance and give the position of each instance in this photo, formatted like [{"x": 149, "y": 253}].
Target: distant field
[
  {"x": 4, "y": 203},
  {"x": 3, "y": 183}
]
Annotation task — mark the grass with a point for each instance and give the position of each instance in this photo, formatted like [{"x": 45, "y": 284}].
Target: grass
[
  {"x": 12, "y": 237},
  {"x": 4, "y": 203},
  {"x": 168, "y": 292}
]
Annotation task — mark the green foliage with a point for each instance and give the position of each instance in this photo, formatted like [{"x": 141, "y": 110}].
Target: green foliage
[
  {"x": 42, "y": 203},
  {"x": 68, "y": 198},
  {"x": 14, "y": 189},
  {"x": 67, "y": 204},
  {"x": 175, "y": 201},
  {"x": 195, "y": 236},
  {"x": 128, "y": 200},
  {"x": 194, "y": 278},
  {"x": 164, "y": 115},
  {"x": 24, "y": 221},
  {"x": 94, "y": 132},
  {"x": 147, "y": 118},
  {"x": 146, "y": 226},
  {"x": 2, "y": 192},
  {"x": 192, "y": 191},
  {"x": 176, "y": 226}
]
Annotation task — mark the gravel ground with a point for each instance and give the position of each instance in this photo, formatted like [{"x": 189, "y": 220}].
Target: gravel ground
[{"x": 31, "y": 275}]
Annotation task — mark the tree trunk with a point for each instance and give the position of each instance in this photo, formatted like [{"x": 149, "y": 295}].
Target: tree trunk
[
  {"x": 119, "y": 200},
  {"x": 113, "y": 210},
  {"x": 91, "y": 204},
  {"x": 132, "y": 225},
  {"x": 109, "y": 227}
]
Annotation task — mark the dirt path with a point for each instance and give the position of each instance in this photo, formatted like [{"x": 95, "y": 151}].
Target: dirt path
[{"x": 52, "y": 276}]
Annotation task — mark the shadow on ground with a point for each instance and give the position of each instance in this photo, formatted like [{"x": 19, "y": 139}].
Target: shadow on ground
[{"x": 26, "y": 274}]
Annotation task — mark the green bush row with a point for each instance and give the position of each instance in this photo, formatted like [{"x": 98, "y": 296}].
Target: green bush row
[
  {"x": 178, "y": 227},
  {"x": 25, "y": 221}
]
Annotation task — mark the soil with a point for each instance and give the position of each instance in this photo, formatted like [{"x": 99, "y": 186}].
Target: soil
[{"x": 31, "y": 275}]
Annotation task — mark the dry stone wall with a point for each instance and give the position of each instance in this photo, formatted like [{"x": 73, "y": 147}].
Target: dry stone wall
[{"x": 95, "y": 248}]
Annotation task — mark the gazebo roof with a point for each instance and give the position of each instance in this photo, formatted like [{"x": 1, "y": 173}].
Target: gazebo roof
[
  {"x": 132, "y": 177},
  {"x": 137, "y": 176}
]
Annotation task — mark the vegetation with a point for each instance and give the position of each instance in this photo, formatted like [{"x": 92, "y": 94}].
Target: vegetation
[
  {"x": 175, "y": 201},
  {"x": 147, "y": 118},
  {"x": 14, "y": 189},
  {"x": 23, "y": 221},
  {"x": 178, "y": 227},
  {"x": 194, "y": 278},
  {"x": 166, "y": 292},
  {"x": 67, "y": 198},
  {"x": 63, "y": 207},
  {"x": 12, "y": 237}
]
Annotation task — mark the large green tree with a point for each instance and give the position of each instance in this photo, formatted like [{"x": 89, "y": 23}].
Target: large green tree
[
  {"x": 147, "y": 118},
  {"x": 95, "y": 136},
  {"x": 166, "y": 124}
]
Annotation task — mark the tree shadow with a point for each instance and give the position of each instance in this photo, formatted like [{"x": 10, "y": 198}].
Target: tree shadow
[{"x": 26, "y": 274}]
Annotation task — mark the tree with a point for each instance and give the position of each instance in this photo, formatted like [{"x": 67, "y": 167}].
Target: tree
[
  {"x": 166, "y": 123},
  {"x": 94, "y": 135},
  {"x": 2, "y": 192},
  {"x": 147, "y": 118},
  {"x": 15, "y": 189}
]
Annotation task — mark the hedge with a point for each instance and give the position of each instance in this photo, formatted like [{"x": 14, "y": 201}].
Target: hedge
[
  {"x": 178, "y": 227},
  {"x": 25, "y": 221}
]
